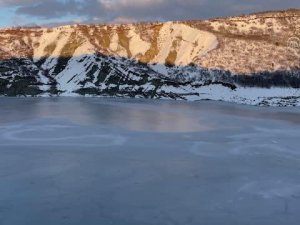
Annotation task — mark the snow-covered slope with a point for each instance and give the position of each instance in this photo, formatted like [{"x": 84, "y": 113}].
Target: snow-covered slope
[{"x": 250, "y": 59}]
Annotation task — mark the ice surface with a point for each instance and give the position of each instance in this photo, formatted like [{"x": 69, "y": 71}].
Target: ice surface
[{"x": 136, "y": 162}]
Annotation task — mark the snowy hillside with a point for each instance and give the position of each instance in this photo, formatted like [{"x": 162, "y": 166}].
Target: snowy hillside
[{"x": 251, "y": 59}]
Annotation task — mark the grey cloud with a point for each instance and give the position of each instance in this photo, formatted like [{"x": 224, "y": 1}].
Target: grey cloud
[
  {"x": 50, "y": 8},
  {"x": 142, "y": 10},
  {"x": 17, "y": 2}
]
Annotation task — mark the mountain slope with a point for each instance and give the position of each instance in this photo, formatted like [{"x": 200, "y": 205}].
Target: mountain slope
[{"x": 250, "y": 59}]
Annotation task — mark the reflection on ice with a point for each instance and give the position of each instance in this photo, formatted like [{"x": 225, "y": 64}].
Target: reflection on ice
[{"x": 126, "y": 115}]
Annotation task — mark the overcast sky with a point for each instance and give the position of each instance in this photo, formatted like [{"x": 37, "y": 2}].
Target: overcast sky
[{"x": 26, "y": 12}]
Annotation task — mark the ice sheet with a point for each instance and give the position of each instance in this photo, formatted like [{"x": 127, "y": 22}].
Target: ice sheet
[{"x": 138, "y": 162}]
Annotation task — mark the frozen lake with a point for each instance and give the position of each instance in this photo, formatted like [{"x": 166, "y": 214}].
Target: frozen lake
[{"x": 77, "y": 161}]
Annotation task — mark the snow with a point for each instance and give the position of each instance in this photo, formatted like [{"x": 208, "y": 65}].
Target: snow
[
  {"x": 112, "y": 161},
  {"x": 191, "y": 43},
  {"x": 160, "y": 68},
  {"x": 53, "y": 36},
  {"x": 116, "y": 47},
  {"x": 114, "y": 43},
  {"x": 251, "y": 96},
  {"x": 58, "y": 37},
  {"x": 245, "y": 25},
  {"x": 136, "y": 44},
  {"x": 86, "y": 48},
  {"x": 75, "y": 72}
]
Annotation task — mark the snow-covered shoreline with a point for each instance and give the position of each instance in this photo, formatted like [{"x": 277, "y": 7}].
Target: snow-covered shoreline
[{"x": 275, "y": 97}]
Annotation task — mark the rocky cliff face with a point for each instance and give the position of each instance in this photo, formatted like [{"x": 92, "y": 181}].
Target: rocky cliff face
[{"x": 251, "y": 59}]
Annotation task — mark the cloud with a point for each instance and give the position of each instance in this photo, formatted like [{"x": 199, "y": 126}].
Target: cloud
[
  {"x": 123, "y": 20},
  {"x": 17, "y": 2},
  {"x": 121, "y": 4},
  {"x": 49, "y": 8},
  {"x": 138, "y": 10}
]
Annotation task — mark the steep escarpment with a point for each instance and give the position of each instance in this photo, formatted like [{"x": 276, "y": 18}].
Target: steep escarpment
[{"x": 251, "y": 59}]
